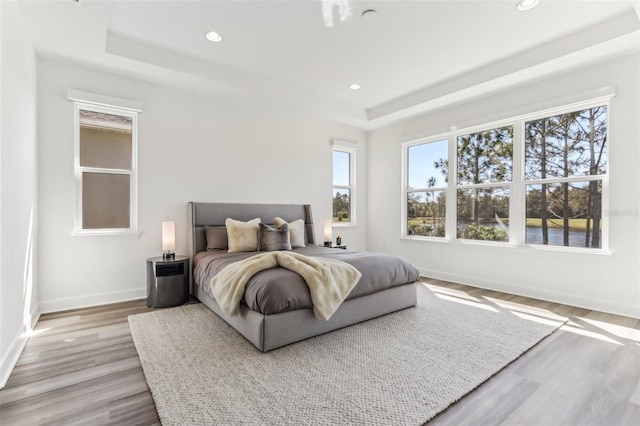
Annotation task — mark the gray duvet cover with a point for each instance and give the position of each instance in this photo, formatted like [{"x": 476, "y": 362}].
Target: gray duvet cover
[{"x": 278, "y": 290}]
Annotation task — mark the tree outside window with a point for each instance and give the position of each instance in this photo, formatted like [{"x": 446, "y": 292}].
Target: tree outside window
[
  {"x": 484, "y": 171},
  {"x": 565, "y": 161},
  {"x": 557, "y": 193},
  {"x": 427, "y": 180}
]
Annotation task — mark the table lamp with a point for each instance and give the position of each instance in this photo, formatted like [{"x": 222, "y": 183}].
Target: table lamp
[{"x": 168, "y": 240}]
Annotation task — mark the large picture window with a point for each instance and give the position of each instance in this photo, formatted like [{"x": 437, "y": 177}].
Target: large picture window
[
  {"x": 105, "y": 145},
  {"x": 536, "y": 180}
]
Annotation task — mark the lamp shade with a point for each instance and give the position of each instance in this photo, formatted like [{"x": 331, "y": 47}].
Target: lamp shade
[
  {"x": 168, "y": 235},
  {"x": 328, "y": 230}
]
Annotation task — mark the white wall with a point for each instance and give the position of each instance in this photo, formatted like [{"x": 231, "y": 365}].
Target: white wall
[
  {"x": 191, "y": 148},
  {"x": 18, "y": 289},
  {"x": 603, "y": 282}
]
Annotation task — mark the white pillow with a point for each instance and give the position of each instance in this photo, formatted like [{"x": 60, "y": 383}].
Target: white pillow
[
  {"x": 242, "y": 236},
  {"x": 296, "y": 231}
]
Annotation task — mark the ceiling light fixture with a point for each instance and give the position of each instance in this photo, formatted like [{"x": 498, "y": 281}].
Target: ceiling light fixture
[
  {"x": 343, "y": 9},
  {"x": 213, "y": 36},
  {"x": 354, "y": 86},
  {"x": 369, "y": 14},
  {"x": 527, "y": 4}
]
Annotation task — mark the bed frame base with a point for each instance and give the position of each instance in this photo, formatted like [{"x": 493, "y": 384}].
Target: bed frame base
[{"x": 268, "y": 332}]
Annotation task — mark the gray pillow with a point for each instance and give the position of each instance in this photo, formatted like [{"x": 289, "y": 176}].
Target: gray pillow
[
  {"x": 216, "y": 237},
  {"x": 296, "y": 231},
  {"x": 274, "y": 238}
]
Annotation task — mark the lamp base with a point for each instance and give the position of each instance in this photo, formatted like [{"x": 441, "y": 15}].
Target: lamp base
[
  {"x": 168, "y": 256},
  {"x": 327, "y": 243}
]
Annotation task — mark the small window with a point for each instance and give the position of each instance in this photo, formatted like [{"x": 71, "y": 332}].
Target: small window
[
  {"x": 105, "y": 146},
  {"x": 343, "y": 185}
]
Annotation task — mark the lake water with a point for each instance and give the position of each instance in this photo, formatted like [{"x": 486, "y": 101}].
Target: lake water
[{"x": 534, "y": 236}]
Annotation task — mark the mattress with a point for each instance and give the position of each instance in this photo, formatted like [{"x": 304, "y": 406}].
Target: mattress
[{"x": 279, "y": 290}]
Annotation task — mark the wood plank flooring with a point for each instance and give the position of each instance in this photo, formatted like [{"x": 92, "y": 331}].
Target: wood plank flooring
[{"x": 81, "y": 368}]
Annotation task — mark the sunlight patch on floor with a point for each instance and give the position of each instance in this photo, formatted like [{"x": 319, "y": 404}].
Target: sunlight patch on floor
[
  {"x": 538, "y": 319},
  {"x": 466, "y": 302},
  {"x": 588, "y": 333},
  {"x": 39, "y": 331},
  {"x": 617, "y": 330},
  {"x": 450, "y": 292},
  {"x": 526, "y": 309}
]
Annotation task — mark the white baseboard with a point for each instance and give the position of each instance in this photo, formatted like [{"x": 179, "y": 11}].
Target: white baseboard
[
  {"x": 11, "y": 356},
  {"x": 580, "y": 301},
  {"x": 76, "y": 302}
]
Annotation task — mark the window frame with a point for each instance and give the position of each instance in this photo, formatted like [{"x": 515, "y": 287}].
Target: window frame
[
  {"x": 406, "y": 191},
  {"x": 508, "y": 184},
  {"x": 517, "y": 185},
  {"x": 79, "y": 170},
  {"x": 604, "y": 178},
  {"x": 351, "y": 149}
]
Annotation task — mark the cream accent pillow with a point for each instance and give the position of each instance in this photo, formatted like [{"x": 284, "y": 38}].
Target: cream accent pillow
[
  {"x": 296, "y": 231},
  {"x": 242, "y": 236}
]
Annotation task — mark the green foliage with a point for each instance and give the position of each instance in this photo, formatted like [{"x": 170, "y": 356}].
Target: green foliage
[
  {"x": 479, "y": 205},
  {"x": 425, "y": 229},
  {"x": 426, "y": 204},
  {"x": 483, "y": 232},
  {"x": 341, "y": 208},
  {"x": 485, "y": 157}
]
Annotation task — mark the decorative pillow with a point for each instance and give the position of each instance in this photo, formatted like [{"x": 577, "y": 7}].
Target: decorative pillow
[
  {"x": 274, "y": 238},
  {"x": 216, "y": 237},
  {"x": 296, "y": 231},
  {"x": 242, "y": 236}
]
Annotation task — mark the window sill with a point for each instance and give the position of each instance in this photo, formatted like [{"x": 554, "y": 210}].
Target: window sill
[
  {"x": 343, "y": 225},
  {"x": 461, "y": 242},
  {"x": 563, "y": 249},
  {"x": 125, "y": 235},
  {"x": 556, "y": 249}
]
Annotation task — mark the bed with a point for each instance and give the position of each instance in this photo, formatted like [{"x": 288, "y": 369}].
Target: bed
[{"x": 388, "y": 282}]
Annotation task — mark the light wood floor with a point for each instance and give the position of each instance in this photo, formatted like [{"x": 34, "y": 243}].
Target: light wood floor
[{"x": 80, "y": 367}]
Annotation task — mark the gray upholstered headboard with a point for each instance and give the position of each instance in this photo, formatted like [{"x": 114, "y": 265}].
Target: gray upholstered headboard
[{"x": 215, "y": 214}]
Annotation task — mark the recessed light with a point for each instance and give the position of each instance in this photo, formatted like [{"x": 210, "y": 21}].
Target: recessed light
[
  {"x": 527, "y": 4},
  {"x": 213, "y": 36},
  {"x": 354, "y": 86},
  {"x": 369, "y": 14}
]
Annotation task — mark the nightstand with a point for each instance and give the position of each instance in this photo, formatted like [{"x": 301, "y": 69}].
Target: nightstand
[
  {"x": 167, "y": 281},
  {"x": 341, "y": 246}
]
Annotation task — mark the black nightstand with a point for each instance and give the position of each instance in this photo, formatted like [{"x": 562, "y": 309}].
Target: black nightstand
[{"x": 167, "y": 281}]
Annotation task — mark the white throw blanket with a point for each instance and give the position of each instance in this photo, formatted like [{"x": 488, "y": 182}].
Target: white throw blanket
[{"x": 330, "y": 281}]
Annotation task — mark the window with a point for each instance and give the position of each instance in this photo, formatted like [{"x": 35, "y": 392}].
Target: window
[
  {"x": 565, "y": 162},
  {"x": 554, "y": 186},
  {"x": 105, "y": 163},
  {"x": 484, "y": 165},
  {"x": 343, "y": 183},
  {"x": 427, "y": 168}
]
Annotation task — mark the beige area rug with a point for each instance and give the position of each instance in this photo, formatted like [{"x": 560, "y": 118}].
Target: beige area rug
[{"x": 402, "y": 368}]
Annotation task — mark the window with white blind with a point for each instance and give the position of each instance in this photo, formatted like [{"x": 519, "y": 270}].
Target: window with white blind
[{"x": 105, "y": 169}]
